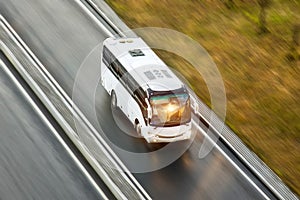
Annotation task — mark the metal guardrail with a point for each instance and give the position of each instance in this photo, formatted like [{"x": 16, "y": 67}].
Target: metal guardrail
[
  {"x": 250, "y": 159},
  {"x": 258, "y": 167},
  {"x": 6, "y": 69},
  {"x": 107, "y": 165}
]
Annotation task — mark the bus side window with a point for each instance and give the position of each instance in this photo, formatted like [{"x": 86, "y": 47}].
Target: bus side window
[
  {"x": 114, "y": 67},
  {"x": 107, "y": 56},
  {"x": 131, "y": 84},
  {"x": 121, "y": 69}
]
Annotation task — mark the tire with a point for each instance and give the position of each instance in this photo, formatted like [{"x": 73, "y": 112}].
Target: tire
[{"x": 113, "y": 100}]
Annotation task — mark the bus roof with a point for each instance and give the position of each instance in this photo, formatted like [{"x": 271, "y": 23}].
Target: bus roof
[{"x": 143, "y": 64}]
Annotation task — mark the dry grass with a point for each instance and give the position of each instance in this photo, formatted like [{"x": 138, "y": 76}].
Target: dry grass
[{"x": 262, "y": 86}]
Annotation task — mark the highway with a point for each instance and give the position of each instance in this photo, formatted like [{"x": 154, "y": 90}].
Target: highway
[
  {"x": 61, "y": 35},
  {"x": 34, "y": 164}
]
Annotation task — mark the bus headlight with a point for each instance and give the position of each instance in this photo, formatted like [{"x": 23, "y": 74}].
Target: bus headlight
[{"x": 171, "y": 108}]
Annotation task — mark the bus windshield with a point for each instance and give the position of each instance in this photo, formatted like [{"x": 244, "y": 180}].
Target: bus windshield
[{"x": 170, "y": 109}]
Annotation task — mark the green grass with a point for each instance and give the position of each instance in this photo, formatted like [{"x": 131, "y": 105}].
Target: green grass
[{"x": 262, "y": 85}]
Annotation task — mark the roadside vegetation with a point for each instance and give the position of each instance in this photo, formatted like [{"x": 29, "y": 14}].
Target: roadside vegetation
[{"x": 255, "y": 44}]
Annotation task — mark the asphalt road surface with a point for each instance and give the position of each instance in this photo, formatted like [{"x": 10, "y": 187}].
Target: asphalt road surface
[
  {"x": 62, "y": 35},
  {"x": 33, "y": 163}
]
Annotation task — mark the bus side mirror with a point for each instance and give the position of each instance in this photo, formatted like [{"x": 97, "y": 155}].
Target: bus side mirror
[{"x": 149, "y": 112}]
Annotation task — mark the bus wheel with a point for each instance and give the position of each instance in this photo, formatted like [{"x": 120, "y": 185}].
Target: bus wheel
[{"x": 113, "y": 100}]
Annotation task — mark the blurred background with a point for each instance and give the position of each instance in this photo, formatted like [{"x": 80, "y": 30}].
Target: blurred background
[{"x": 255, "y": 44}]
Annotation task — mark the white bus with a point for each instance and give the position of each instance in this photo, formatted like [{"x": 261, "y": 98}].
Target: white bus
[{"x": 155, "y": 101}]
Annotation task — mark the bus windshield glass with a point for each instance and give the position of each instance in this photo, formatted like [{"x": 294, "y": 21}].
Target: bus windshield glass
[{"x": 170, "y": 109}]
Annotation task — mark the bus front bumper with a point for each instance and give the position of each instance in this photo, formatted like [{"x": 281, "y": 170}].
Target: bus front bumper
[{"x": 168, "y": 134}]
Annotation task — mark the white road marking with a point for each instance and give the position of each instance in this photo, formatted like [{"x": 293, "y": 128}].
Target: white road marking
[
  {"x": 47, "y": 123},
  {"x": 231, "y": 161}
]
